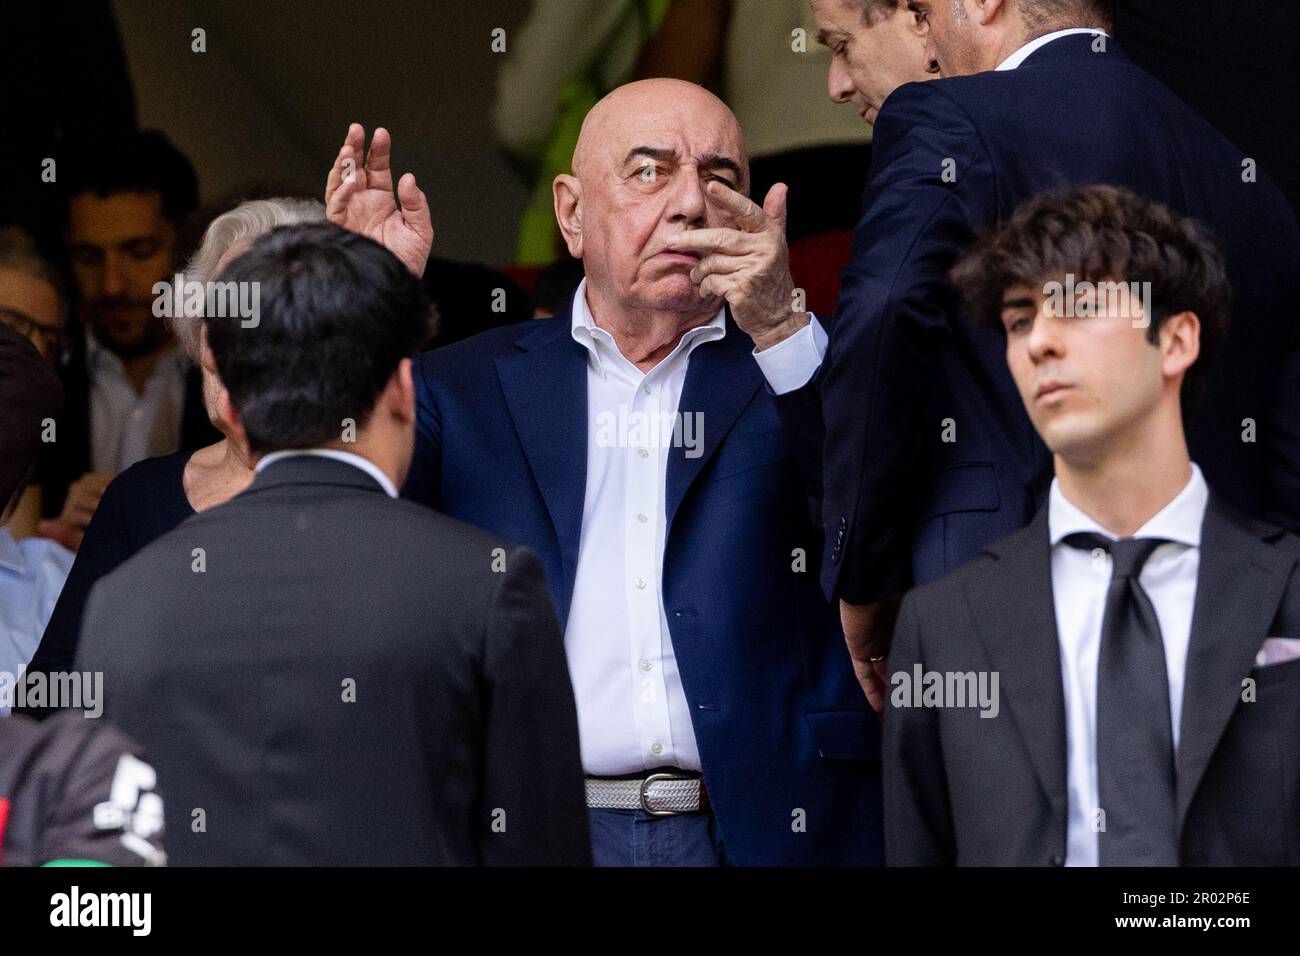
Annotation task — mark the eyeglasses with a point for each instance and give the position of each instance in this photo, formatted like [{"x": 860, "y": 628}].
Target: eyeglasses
[{"x": 51, "y": 343}]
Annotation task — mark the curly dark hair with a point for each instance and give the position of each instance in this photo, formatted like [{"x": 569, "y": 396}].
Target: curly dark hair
[{"x": 1104, "y": 233}]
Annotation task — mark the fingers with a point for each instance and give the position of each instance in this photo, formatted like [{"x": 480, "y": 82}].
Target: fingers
[
  {"x": 336, "y": 204},
  {"x": 774, "y": 205},
  {"x": 56, "y": 530},
  {"x": 705, "y": 241},
  {"x": 717, "y": 264},
  {"x": 379, "y": 172},
  {"x": 718, "y": 285},
  {"x": 415, "y": 207},
  {"x": 748, "y": 217},
  {"x": 353, "y": 143}
]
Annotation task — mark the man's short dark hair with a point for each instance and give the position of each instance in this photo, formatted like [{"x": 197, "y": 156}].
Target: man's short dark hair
[
  {"x": 1105, "y": 233},
  {"x": 338, "y": 312},
  {"x": 136, "y": 161}
]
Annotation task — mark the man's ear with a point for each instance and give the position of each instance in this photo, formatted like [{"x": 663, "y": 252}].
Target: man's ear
[
  {"x": 1180, "y": 343},
  {"x": 567, "y": 191},
  {"x": 230, "y": 415},
  {"x": 402, "y": 386},
  {"x": 986, "y": 11}
]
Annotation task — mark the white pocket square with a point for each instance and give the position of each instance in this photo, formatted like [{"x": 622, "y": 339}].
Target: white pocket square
[{"x": 1278, "y": 650}]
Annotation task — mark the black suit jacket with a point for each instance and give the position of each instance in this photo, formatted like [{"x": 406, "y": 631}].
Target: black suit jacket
[
  {"x": 929, "y": 455},
  {"x": 460, "y": 745},
  {"x": 970, "y": 790},
  {"x": 69, "y": 457}
]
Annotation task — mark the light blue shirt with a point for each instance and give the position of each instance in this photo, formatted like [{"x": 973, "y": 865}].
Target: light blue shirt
[{"x": 32, "y": 572}]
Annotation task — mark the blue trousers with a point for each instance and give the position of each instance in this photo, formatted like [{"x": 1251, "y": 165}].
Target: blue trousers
[{"x": 637, "y": 838}]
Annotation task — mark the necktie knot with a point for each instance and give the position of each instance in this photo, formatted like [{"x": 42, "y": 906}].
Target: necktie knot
[{"x": 1127, "y": 554}]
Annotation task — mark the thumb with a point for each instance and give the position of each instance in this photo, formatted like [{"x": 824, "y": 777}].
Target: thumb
[
  {"x": 415, "y": 207},
  {"x": 774, "y": 204}
]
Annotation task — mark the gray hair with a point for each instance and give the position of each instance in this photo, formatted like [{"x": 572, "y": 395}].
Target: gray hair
[
  {"x": 19, "y": 251},
  {"x": 248, "y": 220}
]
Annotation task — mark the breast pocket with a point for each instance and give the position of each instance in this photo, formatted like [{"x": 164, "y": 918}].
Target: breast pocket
[{"x": 741, "y": 453}]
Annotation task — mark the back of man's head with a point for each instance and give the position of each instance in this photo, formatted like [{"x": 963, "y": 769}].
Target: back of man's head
[
  {"x": 1045, "y": 16},
  {"x": 29, "y": 393},
  {"x": 137, "y": 161},
  {"x": 335, "y": 314}
]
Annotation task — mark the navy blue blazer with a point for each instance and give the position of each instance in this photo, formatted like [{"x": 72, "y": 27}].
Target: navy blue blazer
[
  {"x": 929, "y": 455},
  {"x": 790, "y": 752}
]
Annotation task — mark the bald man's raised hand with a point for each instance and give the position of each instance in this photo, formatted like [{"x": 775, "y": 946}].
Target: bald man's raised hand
[
  {"x": 748, "y": 265},
  {"x": 359, "y": 196}
]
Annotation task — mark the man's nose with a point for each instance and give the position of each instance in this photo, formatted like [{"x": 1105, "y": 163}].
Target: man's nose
[
  {"x": 838, "y": 83},
  {"x": 931, "y": 55},
  {"x": 687, "y": 201},
  {"x": 1044, "y": 340},
  {"x": 113, "y": 277}
]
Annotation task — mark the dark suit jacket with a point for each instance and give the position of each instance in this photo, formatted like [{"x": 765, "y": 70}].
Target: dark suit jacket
[
  {"x": 905, "y": 504},
  {"x": 970, "y": 790},
  {"x": 789, "y": 750},
  {"x": 460, "y": 746},
  {"x": 67, "y": 459}
]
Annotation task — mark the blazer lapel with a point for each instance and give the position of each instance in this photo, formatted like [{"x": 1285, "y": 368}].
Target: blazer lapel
[
  {"x": 1016, "y": 619},
  {"x": 721, "y": 380},
  {"x": 545, "y": 388},
  {"x": 1238, "y": 591}
]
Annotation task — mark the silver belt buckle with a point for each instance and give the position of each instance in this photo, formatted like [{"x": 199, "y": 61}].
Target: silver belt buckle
[{"x": 645, "y": 794}]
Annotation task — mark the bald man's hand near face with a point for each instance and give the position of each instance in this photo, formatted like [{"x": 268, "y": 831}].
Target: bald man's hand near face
[
  {"x": 360, "y": 197},
  {"x": 749, "y": 265}
]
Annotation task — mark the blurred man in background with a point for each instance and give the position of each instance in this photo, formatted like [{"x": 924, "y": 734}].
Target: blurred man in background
[{"x": 131, "y": 391}]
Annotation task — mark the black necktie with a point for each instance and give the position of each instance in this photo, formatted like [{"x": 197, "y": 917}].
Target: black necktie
[{"x": 1135, "y": 748}]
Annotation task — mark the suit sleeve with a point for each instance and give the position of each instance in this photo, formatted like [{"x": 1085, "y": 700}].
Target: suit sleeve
[
  {"x": 535, "y": 810},
  {"x": 918, "y": 818},
  {"x": 931, "y": 183},
  {"x": 424, "y": 480}
]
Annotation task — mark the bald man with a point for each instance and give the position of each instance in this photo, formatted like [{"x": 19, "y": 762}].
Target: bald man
[{"x": 633, "y": 442}]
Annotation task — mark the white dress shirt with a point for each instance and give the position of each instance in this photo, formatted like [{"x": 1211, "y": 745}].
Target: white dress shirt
[
  {"x": 351, "y": 458},
  {"x": 1015, "y": 59},
  {"x": 1080, "y": 581},
  {"x": 126, "y": 426},
  {"x": 632, "y": 710}
]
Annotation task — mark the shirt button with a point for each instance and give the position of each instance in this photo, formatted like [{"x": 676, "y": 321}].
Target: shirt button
[
  {"x": 640, "y": 583},
  {"x": 656, "y": 748},
  {"x": 642, "y": 518},
  {"x": 645, "y": 664},
  {"x": 646, "y": 389},
  {"x": 643, "y": 452}
]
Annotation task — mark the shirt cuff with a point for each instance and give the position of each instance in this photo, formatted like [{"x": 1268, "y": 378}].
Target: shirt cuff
[{"x": 789, "y": 365}]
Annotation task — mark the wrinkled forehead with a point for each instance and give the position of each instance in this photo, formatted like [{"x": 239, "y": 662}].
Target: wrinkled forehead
[{"x": 694, "y": 130}]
